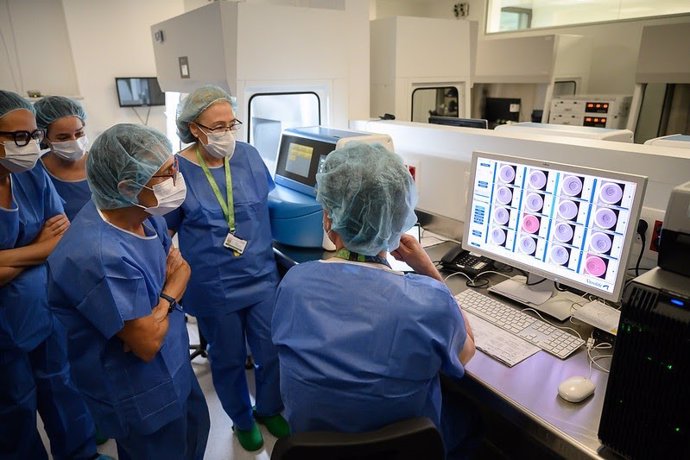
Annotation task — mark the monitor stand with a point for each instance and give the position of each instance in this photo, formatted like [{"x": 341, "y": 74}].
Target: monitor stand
[{"x": 541, "y": 294}]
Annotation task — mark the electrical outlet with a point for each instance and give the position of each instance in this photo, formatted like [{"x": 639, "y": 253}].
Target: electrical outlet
[{"x": 654, "y": 218}]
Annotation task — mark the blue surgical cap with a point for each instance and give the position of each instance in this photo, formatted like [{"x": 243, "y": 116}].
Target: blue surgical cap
[
  {"x": 191, "y": 107},
  {"x": 51, "y": 108},
  {"x": 128, "y": 154},
  {"x": 10, "y": 101},
  {"x": 369, "y": 195}
]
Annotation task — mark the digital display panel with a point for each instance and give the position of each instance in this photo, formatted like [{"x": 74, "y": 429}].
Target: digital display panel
[{"x": 563, "y": 222}]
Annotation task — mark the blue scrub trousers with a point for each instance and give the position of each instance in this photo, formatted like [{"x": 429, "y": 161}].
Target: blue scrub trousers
[
  {"x": 227, "y": 352},
  {"x": 40, "y": 379},
  {"x": 183, "y": 438}
]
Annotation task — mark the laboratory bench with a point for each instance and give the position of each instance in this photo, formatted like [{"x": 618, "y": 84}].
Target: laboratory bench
[{"x": 523, "y": 415}]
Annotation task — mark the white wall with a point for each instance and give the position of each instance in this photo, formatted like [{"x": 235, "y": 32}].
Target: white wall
[
  {"x": 35, "y": 51},
  {"x": 112, "y": 39}
]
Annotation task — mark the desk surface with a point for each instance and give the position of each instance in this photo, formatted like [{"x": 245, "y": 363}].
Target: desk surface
[{"x": 530, "y": 388}]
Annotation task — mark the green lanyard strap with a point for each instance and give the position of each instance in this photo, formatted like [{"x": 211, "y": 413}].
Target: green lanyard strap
[
  {"x": 228, "y": 208},
  {"x": 355, "y": 257}
]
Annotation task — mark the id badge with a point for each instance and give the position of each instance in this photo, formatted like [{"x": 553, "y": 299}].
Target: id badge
[{"x": 235, "y": 243}]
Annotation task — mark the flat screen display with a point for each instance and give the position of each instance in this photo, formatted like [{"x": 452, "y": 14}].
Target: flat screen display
[
  {"x": 567, "y": 223},
  {"x": 298, "y": 162},
  {"x": 139, "y": 91}
]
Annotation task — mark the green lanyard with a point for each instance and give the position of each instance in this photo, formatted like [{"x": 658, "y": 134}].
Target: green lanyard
[
  {"x": 228, "y": 208},
  {"x": 355, "y": 257}
]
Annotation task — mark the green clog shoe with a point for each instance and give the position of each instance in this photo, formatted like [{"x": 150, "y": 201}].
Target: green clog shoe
[
  {"x": 250, "y": 439},
  {"x": 275, "y": 424}
]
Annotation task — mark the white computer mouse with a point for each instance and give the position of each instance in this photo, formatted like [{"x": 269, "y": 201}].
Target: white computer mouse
[{"x": 576, "y": 389}]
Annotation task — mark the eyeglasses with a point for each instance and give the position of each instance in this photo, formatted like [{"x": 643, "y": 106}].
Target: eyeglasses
[
  {"x": 234, "y": 126},
  {"x": 22, "y": 138},
  {"x": 173, "y": 170}
]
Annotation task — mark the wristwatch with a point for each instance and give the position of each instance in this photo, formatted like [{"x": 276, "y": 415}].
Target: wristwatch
[{"x": 171, "y": 301}]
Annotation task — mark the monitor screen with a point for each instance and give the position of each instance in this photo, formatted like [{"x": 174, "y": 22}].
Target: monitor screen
[
  {"x": 461, "y": 122},
  {"x": 139, "y": 91},
  {"x": 570, "y": 224},
  {"x": 298, "y": 162}
]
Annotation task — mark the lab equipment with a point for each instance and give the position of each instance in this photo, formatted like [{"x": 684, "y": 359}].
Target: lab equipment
[
  {"x": 662, "y": 82},
  {"x": 587, "y": 132},
  {"x": 576, "y": 389},
  {"x": 650, "y": 370},
  {"x": 410, "y": 82},
  {"x": 674, "y": 245},
  {"x": 598, "y": 111},
  {"x": 547, "y": 337},
  {"x": 139, "y": 92},
  {"x": 296, "y": 216},
  {"x": 566, "y": 223},
  {"x": 459, "y": 122}
]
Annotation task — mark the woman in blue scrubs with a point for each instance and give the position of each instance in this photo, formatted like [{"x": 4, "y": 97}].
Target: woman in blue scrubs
[
  {"x": 225, "y": 234},
  {"x": 63, "y": 119},
  {"x": 115, "y": 283},
  {"x": 362, "y": 346},
  {"x": 34, "y": 370}
]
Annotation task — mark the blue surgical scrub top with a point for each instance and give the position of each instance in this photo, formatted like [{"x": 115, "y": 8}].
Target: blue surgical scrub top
[
  {"x": 24, "y": 316},
  {"x": 75, "y": 193},
  {"x": 361, "y": 347},
  {"x": 221, "y": 281},
  {"x": 99, "y": 277}
]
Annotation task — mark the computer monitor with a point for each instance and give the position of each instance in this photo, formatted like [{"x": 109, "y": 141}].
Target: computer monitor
[
  {"x": 139, "y": 91},
  {"x": 570, "y": 224},
  {"x": 461, "y": 122}
]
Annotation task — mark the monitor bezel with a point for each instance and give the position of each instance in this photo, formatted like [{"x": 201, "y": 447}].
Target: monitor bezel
[
  {"x": 148, "y": 79},
  {"x": 636, "y": 208},
  {"x": 303, "y": 184}
]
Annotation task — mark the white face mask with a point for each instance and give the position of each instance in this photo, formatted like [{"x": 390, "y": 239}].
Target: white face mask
[
  {"x": 220, "y": 145},
  {"x": 71, "y": 150},
  {"x": 170, "y": 196},
  {"x": 20, "y": 159}
]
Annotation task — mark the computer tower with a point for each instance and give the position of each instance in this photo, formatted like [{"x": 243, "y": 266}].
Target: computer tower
[{"x": 646, "y": 410}]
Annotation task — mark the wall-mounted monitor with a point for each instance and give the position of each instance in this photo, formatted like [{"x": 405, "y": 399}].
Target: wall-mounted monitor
[
  {"x": 139, "y": 91},
  {"x": 461, "y": 122}
]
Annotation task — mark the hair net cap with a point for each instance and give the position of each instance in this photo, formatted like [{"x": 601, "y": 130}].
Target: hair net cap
[
  {"x": 51, "y": 108},
  {"x": 193, "y": 105},
  {"x": 369, "y": 195},
  {"x": 10, "y": 101},
  {"x": 124, "y": 153}
]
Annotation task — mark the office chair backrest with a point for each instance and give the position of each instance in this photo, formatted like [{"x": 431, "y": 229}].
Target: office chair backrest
[{"x": 411, "y": 439}]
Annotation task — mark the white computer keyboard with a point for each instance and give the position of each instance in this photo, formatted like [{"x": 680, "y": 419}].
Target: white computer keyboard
[{"x": 535, "y": 331}]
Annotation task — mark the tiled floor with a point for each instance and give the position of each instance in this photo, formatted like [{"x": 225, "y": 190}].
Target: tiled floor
[{"x": 221, "y": 442}]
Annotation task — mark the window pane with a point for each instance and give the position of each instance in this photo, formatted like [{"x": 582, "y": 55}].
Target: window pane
[
  {"x": 270, "y": 114},
  {"x": 503, "y": 15},
  {"x": 434, "y": 101}
]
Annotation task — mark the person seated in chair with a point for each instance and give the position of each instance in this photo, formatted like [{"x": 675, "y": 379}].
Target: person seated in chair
[{"x": 362, "y": 346}]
